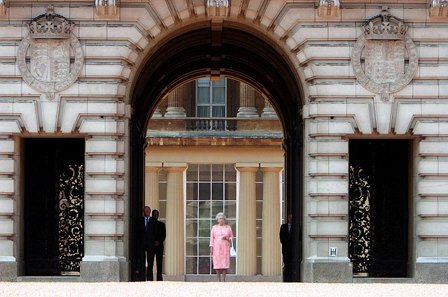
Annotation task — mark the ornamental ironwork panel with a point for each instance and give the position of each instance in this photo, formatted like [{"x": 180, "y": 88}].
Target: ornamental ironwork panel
[
  {"x": 360, "y": 243},
  {"x": 71, "y": 216}
]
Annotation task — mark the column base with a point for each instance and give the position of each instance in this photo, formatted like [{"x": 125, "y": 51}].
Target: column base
[
  {"x": 327, "y": 272},
  {"x": 174, "y": 278},
  {"x": 8, "y": 271},
  {"x": 247, "y": 112},
  {"x": 105, "y": 271},
  {"x": 435, "y": 273},
  {"x": 269, "y": 113},
  {"x": 175, "y": 112}
]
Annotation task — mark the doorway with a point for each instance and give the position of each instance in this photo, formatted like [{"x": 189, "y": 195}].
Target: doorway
[
  {"x": 378, "y": 207},
  {"x": 53, "y": 206}
]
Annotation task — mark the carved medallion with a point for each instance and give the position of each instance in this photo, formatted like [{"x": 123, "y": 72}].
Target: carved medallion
[
  {"x": 384, "y": 58},
  {"x": 50, "y": 47}
]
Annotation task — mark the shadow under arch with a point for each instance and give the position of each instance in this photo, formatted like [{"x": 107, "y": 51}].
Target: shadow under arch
[{"x": 222, "y": 49}]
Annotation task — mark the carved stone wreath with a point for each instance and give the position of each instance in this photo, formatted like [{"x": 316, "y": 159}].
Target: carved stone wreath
[
  {"x": 378, "y": 57},
  {"x": 50, "y": 69}
]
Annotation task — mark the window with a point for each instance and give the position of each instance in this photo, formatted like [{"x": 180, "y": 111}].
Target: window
[
  {"x": 211, "y": 98},
  {"x": 211, "y": 188}
]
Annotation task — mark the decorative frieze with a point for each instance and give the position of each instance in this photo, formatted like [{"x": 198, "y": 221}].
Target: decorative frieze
[
  {"x": 49, "y": 47},
  {"x": 379, "y": 56},
  {"x": 439, "y": 8},
  {"x": 218, "y": 8},
  {"x": 329, "y": 8},
  {"x": 106, "y": 8}
]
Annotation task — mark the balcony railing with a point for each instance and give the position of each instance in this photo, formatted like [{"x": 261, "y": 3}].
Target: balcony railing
[{"x": 211, "y": 124}]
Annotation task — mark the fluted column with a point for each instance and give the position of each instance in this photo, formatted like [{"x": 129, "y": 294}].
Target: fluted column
[
  {"x": 247, "y": 102},
  {"x": 174, "y": 244},
  {"x": 247, "y": 214},
  {"x": 270, "y": 245},
  {"x": 152, "y": 187},
  {"x": 268, "y": 110},
  {"x": 175, "y": 107}
]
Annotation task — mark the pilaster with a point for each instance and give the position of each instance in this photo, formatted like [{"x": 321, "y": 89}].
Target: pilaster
[
  {"x": 270, "y": 248},
  {"x": 246, "y": 230},
  {"x": 175, "y": 223}
]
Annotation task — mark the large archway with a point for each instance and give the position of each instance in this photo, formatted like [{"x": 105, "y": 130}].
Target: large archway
[{"x": 221, "y": 49}]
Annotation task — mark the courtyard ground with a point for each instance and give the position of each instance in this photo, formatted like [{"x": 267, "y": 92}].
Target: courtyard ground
[{"x": 186, "y": 289}]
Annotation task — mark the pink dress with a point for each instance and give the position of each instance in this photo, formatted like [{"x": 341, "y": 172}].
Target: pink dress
[{"x": 221, "y": 247}]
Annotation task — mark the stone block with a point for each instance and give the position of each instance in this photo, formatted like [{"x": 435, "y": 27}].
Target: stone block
[
  {"x": 431, "y": 272},
  {"x": 327, "y": 272},
  {"x": 104, "y": 271},
  {"x": 8, "y": 271}
]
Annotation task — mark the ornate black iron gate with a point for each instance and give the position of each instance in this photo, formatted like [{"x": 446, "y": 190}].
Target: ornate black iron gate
[
  {"x": 54, "y": 206},
  {"x": 378, "y": 207}
]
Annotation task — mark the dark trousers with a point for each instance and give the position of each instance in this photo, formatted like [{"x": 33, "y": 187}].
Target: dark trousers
[
  {"x": 158, "y": 253},
  {"x": 147, "y": 251},
  {"x": 287, "y": 268}
]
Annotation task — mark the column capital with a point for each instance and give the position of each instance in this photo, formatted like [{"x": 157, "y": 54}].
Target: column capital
[
  {"x": 247, "y": 167},
  {"x": 153, "y": 167},
  {"x": 173, "y": 167},
  {"x": 271, "y": 167}
]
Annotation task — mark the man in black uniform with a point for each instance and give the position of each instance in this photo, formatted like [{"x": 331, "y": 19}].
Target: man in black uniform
[
  {"x": 148, "y": 231},
  {"x": 286, "y": 240},
  {"x": 158, "y": 246}
]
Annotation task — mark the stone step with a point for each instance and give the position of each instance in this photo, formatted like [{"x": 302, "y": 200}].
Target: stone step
[
  {"x": 48, "y": 279},
  {"x": 383, "y": 280}
]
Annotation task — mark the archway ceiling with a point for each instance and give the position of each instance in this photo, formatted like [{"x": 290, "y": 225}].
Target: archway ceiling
[{"x": 228, "y": 51}]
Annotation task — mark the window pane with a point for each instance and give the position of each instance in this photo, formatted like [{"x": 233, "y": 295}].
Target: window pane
[
  {"x": 191, "y": 229},
  {"x": 204, "y": 172},
  {"x": 204, "y": 191},
  {"x": 230, "y": 191},
  {"x": 191, "y": 246},
  {"x": 230, "y": 209},
  {"x": 217, "y": 207},
  {"x": 204, "y": 265},
  {"x": 217, "y": 193},
  {"x": 192, "y": 172},
  {"x": 217, "y": 172},
  {"x": 230, "y": 172},
  {"x": 203, "y": 95},
  {"x": 192, "y": 210},
  {"x": 218, "y": 111},
  {"x": 192, "y": 265},
  {"x": 204, "y": 247},
  {"x": 219, "y": 95},
  {"x": 204, "y": 210},
  {"x": 204, "y": 229},
  {"x": 203, "y": 111},
  {"x": 192, "y": 191},
  {"x": 219, "y": 83}
]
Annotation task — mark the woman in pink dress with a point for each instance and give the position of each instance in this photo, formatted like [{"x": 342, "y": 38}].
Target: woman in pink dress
[{"x": 220, "y": 238}]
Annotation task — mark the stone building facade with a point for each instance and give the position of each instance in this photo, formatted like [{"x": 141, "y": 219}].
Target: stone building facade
[{"x": 356, "y": 86}]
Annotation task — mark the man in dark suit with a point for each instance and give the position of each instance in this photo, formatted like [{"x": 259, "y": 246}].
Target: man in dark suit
[
  {"x": 148, "y": 231},
  {"x": 157, "y": 250},
  {"x": 286, "y": 240}
]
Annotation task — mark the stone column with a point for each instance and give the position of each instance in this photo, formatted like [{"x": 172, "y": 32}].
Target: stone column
[
  {"x": 268, "y": 110},
  {"x": 175, "y": 107},
  {"x": 175, "y": 221},
  {"x": 270, "y": 245},
  {"x": 247, "y": 213},
  {"x": 247, "y": 102},
  {"x": 152, "y": 186}
]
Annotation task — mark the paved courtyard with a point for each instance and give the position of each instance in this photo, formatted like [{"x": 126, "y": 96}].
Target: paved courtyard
[{"x": 184, "y": 289}]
